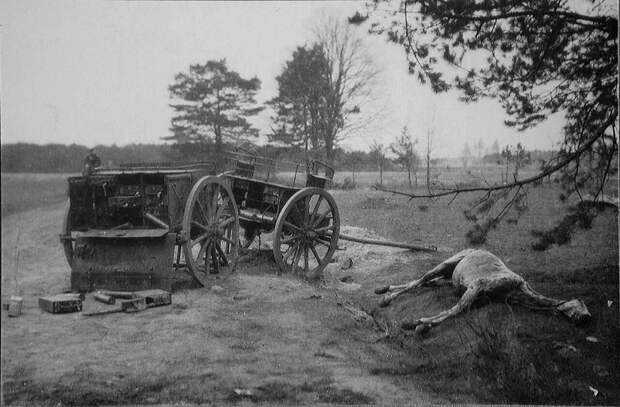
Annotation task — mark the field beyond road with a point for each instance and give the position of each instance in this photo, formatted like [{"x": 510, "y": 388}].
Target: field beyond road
[{"x": 260, "y": 337}]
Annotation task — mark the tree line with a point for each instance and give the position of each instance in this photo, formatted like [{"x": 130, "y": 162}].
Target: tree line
[{"x": 61, "y": 158}]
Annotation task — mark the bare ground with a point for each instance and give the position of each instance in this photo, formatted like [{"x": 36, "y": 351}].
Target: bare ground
[{"x": 257, "y": 338}]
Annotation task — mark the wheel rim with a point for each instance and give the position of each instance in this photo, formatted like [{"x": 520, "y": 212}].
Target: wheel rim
[
  {"x": 67, "y": 241},
  {"x": 306, "y": 233},
  {"x": 211, "y": 228}
]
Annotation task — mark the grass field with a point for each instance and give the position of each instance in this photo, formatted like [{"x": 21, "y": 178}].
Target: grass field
[
  {"x": 509, "y": 360},
  {"x": 496, "y": 354},
  {"x": 21, "y": 192}
]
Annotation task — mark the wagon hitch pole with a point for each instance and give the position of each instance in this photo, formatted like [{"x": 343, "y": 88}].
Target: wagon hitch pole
[{"x": 388, "y": 243}]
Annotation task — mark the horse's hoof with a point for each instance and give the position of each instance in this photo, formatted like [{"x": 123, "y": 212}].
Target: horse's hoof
[{"x": 382, "y": 290}]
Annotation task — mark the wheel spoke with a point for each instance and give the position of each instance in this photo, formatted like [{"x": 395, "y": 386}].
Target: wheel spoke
[
  {"x": 289, "y": 251},
  {"x": 216, "y": 262},
  {"x": 206, "y": 259},
  {"x": 315, "y": 254},
  {"x": 290, "y": 225},
  {"x": 321, "y": 218},
  {"x": 226, "y": 222},
  {"x": 296, "y": 258},
  {"x": 288, "y": 240},
  {"x": 220, "y": 209},
  {"x": 306, "y": 268},
  {"x": 199, "y": 238},
  {"x": 227, "y": 240},
  {"x": 200, "y": 225},
  {"x": 222, "y": 254},
  {"x": 202, "y": 250},
  {"x": 316, "y": 208},
  {"x": 228, "y": 235},
  {"x": 214, "y": 198},
  {"x": 323, "y": 242},
  {"x": 306, "y": 210},
  {"x": 324, "y": 229},
  {"x": 201, "y": 210}
]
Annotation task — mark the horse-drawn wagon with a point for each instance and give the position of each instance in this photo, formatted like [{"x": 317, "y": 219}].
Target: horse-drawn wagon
[{"x": 144, "y": 226}]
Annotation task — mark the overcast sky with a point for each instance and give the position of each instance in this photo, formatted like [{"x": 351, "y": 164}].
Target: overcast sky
[{"x": 92, "y": 72}]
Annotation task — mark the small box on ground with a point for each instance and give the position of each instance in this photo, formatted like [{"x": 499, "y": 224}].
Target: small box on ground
[
  {"x": 61, "y": 303},
  {"x": 155, "y": 298},
  {"x": 134, "y": 305}
]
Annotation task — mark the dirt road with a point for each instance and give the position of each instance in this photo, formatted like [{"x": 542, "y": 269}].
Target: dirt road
[{"x": 256, "y": 337}]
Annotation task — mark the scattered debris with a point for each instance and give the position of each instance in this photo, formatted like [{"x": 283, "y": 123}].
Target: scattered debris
[
  {"x": 243, "y": 393},
  {"x": 140, "y": 301},
  {"x": 347, "y": 264},
  {"x": 594, "y": 391},
  {"x": 126, "y": 295},
  {"x": 323, "y": 354},
  {"x": 61, "y": 303},
  {"x": 592, "y": 339},
  {"x": 240, "y": 297},
  {"x": 346, "y": 279},
  {"x": 314, "y": 297},
  {"x": 15, "y": 306},
  {"x": 134, "y": 305},
  {"x": 358, "y": 314},
  {"x": 104, "y": 298},
  {"x": 155, "y": 298}
]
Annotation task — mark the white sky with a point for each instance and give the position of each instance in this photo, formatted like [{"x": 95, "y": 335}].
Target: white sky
[{"x": 94, "y": 72}]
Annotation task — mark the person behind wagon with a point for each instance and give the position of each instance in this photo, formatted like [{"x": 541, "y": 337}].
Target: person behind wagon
[{"x": 91, "y": 162}]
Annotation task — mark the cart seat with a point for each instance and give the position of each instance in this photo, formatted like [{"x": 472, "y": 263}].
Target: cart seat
[{"x": 317, "y": 181}]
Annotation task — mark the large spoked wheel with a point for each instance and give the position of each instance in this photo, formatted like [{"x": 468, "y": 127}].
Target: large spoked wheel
[
  {"x": 306, "y": 233},
  {"x": 211, "y": 228},
  {"x": 67, "y": 240}
]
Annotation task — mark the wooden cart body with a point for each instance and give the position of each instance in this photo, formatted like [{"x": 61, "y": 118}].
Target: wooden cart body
[{"x": 122, "y": 224}]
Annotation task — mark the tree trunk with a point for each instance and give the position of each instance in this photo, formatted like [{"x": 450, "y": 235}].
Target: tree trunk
[
  {"x": 329, "y": 151},
  {"x": 381, "y": 174},
  {"x": 428, "y": 172},
  {"x": 516, "y": 174},
  {"x": 409, "y": 175}
]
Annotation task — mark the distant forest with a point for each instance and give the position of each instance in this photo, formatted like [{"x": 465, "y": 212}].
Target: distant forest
[{"x": 60, "y": 158}]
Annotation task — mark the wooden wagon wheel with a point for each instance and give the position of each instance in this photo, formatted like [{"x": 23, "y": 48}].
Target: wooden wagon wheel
[
  {"x": 211, "y": 229},
  {"x": 68, "y": 242},
  {"x": 306, "y": 232}
]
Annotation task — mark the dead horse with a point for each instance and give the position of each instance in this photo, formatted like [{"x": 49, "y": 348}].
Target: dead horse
[{"x": 478, "y": 273}]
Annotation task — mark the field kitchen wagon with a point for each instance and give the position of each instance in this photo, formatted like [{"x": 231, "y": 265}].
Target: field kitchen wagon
[{"x": 144, "y": 226}]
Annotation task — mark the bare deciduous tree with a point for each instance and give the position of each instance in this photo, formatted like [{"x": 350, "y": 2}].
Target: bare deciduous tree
[
  {"x": 350, "y": 79},
  {"x": 377, "y": 151}
]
